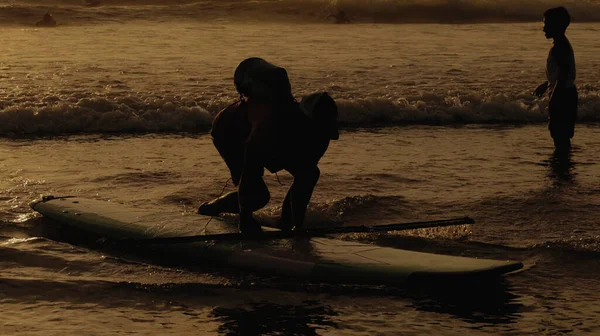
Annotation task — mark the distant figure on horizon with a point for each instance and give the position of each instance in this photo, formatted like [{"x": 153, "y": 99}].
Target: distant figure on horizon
[
  {"x": 47, "y": 21},
  {"x": 560, "y": 72},
  {"x": 92, "y": 3},
  {"x": 340, "y": 17},
  {"x": 268, "y": 128}
]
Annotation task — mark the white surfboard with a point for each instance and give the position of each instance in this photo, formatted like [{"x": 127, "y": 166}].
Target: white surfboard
[{"x": 316, "y": 259}]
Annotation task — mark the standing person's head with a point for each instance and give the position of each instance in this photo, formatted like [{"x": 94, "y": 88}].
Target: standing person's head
[{"x": 556, "y": 21}]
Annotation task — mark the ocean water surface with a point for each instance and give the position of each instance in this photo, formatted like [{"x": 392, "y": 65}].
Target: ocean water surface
[{"x": 437, "y": 122}]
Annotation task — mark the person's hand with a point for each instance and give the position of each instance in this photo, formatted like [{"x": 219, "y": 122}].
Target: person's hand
[{"x": 540, "y": 90}]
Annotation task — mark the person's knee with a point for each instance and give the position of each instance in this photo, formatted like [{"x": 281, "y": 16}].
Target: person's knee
[
  {"x": 308, "y": 176},
  {"x": 259, "y": 197},
  {"x": 262, "y": 198},
  {"x": 315, "y": 175}
]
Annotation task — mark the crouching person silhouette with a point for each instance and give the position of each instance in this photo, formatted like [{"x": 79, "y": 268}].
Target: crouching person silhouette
[{"x": 268, "y": 128}]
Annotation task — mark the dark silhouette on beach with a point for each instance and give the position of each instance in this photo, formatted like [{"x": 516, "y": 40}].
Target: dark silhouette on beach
[
  {"x": 268, "y": 128},
  {"x": 92, "y": 3},
  {"x": 340, "y": 17},
  {"x": 47, "y": 21},
  {"x": 561, "y": 73}
]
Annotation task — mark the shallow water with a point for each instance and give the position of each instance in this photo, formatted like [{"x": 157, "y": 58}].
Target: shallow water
[
  {"x": 90, "y": 110},
  {"x": 525, "y": 209}
]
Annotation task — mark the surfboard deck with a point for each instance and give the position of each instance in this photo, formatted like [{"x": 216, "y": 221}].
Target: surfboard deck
[{"x": 313, "y": 258}]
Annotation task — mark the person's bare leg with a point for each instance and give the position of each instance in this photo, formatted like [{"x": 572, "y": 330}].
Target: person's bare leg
[
  {"x": 293, "y": 210},
  {"x": 253, "y": 195}
]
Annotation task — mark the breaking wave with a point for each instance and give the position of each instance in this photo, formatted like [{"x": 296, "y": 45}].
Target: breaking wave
[{"x": 70, "y": 114}]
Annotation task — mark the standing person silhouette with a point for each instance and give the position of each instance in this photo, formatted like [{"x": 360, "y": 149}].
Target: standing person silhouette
[{"x": 560, "y": 72}]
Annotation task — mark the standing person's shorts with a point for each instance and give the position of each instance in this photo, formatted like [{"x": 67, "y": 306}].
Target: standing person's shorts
[{"x": 563, "y": 114}]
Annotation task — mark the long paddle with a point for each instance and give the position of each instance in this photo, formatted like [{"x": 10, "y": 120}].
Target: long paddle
[{"x": 269, "y": 235}]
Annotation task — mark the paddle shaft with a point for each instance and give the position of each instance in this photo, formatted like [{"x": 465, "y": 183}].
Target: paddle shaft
[{"x": 270, "y": 235}]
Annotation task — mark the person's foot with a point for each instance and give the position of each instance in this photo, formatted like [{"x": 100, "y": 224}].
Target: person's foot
[
  {"x": 285, "y": 225},
  {"x": 253, "y": 231},
  {"x": 207, "y": 209},
  {"x": 298, "y": 229},
  {"x": 248, "y": 225}
]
